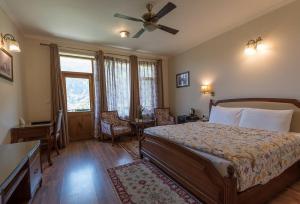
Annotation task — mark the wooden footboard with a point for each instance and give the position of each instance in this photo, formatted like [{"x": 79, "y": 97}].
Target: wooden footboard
[
  {"x": 198, "y": 175},
  {"x": 195, "y": 173}
]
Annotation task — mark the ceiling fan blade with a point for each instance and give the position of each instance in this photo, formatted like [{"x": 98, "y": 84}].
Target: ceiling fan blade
[
  {"x": 138, "y": 34},
  {"x": 165, "y": 10},
  {"x": 118, "y": 15},
  {"x": 168, "y": 29}
]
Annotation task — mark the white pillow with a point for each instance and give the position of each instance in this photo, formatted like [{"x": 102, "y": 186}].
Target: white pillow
[
  {"x": 272, "y": 120},
  {"x": 225, "y": 116}
]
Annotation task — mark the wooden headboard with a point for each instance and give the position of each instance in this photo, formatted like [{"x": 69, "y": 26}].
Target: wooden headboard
[{"x": 265, "y": 103}]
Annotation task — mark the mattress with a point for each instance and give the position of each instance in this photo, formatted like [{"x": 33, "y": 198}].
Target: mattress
[
  {"x": 219, "y": 163},
  {"x": 256, "y": 155}
]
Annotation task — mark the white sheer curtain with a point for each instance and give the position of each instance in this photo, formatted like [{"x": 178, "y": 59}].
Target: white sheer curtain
[
  {"x": 148, "y": 86},
  {"x": 117, "y": 77}
]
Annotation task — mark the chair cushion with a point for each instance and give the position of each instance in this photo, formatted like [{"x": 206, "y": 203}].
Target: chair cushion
[
  {"x": 163, "y": 117},
  {"x": 162, "y": 114},
  {"x": 111, "y": 117},
  {"x": 121, "y": 130}
]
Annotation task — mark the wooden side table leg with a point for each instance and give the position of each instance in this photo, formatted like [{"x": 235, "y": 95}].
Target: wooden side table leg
[
  {"x": 139, "y": 134},
  {"x": 136, "y": 132},
  {"x": 49, "y": 149}
]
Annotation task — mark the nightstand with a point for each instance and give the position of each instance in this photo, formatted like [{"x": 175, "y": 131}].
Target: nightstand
[{"x": 186, "y": 119}]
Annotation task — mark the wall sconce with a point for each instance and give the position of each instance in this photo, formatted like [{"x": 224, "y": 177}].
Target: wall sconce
[
  {"x": 12, "y": 43},
  {"x": 207, "y": 89},
  {"x": 253, "y": 46},
  {"x": 124, "y": 34}
]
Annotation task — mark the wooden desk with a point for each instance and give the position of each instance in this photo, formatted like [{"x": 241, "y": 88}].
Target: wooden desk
[
  {"x": 41, "y": 132},
  {"x": 20, "y": 172}
]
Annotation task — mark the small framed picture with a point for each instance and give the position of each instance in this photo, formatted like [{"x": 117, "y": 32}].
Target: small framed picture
[
  {"x": 6, "y": 65},
  {"x": 183, "y": 79}
]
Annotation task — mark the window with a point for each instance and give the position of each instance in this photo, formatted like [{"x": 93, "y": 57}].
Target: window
[
  {"x": 117, "y": 78},
  {"x": 148, "y": 86},
  {"x": 76, "y": 64},
  {"x": 78, "y": 94},
  {"x": 78, "y": 79}
]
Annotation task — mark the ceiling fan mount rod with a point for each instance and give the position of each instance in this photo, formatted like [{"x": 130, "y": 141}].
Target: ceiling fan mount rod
[
  {"x": 150, "y": 26},
  {"x": 149, "y": 7}
]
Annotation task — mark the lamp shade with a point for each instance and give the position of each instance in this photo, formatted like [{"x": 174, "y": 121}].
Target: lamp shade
[
  {"x": 14, "y": 46},
  {"x": 250, "y": 51},
  {"x": 206, "y": 89}
]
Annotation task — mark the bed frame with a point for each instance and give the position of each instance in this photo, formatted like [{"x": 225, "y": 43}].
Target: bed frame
[{"x": 198, "y": 175}]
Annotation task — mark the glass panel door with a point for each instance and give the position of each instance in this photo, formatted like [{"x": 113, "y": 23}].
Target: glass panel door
[{"x": 79, "y": 97}]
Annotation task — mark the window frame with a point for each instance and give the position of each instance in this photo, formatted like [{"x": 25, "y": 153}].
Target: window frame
[{"x": 83, "y": 75}]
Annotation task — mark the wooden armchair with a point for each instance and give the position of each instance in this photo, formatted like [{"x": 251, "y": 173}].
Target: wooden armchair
[
  {"x": 114, "y": 127},
  {"x": 163, "y": 116}
]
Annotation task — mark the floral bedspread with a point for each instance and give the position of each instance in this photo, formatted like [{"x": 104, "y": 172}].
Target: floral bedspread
[{"x": 257, "y": 155}]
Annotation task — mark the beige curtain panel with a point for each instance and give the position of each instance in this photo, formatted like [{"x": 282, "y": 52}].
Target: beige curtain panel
[
  {"x": 134, "y": 93},
  {"x": 117, "y": 82},
  {"x": 100, "y": 92},
  {"x": 57, "y": 94},
  {"x": 160, "y": 88}
]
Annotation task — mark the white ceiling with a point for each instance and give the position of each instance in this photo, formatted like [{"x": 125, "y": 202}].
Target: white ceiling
[{"x": 92, "y": 20}]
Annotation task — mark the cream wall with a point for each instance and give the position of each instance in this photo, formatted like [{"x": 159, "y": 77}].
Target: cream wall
[
  {"x": 222, "y": 63},
  {"x": 37, "y": 76},
  {"x": 37, "y": 81},
  {"x": 10, "y": 92}
]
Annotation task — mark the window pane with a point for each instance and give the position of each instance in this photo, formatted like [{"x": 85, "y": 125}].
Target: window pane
[
  {"x": 148, "y": 86},
  {"x": 78, "y": 94},
  {"x": 117, "y": 74},
  {"x": 73, "y": 64}
]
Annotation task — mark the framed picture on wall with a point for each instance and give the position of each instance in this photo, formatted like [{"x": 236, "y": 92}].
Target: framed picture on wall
[
  {"x": 183, "y": 79},
  {"x": 6, "y": 65}
]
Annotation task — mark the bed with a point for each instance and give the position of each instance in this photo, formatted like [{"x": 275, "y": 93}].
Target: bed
[{"x": 213, "y": 183}]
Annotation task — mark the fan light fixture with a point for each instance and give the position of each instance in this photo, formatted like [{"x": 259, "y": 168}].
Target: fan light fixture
[
  {"x": 253, "y": 46},
  {"x": 12, "y": 43},
  {"x": 124, "y": 34}
]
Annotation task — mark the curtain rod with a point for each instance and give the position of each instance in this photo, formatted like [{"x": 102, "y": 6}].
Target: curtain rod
[{"x": 44, "y": 44}]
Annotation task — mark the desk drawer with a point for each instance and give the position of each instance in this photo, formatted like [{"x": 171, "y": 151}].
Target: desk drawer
[{"x": 35, "y": 172}]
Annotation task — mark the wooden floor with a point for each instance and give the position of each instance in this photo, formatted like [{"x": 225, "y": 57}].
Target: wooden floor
[{"x": 79, "y": 175}]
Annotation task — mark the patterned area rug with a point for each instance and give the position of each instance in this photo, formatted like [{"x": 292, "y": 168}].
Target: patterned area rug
[
  {"x": 141, "y": 182},
  {"x": 132, "y": 147}
]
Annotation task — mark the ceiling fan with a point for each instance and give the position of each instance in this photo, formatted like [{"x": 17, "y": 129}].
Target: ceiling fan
[{"x": 150, "y": 19}]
